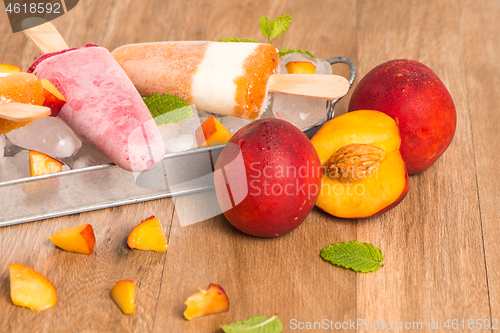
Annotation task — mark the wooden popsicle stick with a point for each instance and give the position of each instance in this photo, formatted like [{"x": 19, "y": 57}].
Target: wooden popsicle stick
[
  {"x": 23, "y": 112},
  {"x": 322, "y": 86},
  {"x": 46, "y": 38}
]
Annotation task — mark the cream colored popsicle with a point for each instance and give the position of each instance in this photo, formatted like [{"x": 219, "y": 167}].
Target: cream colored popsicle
[{"x": 224, "y": 78}]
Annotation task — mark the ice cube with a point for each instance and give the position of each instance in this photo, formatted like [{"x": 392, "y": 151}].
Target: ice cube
[
  {"x": 322, "y": 66},
  {"x": 180, "y": 137},
  {"x": 2, "y": 146},
  {"x": 86, "y": 156},
  {"x": 300, "y": 111},
  {"x": 49, "y": 135},
  {"x": 234, "y": 124},
  {"x": 15, "y": 167}
]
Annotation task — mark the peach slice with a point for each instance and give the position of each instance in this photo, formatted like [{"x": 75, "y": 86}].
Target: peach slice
[
  {"x": 53, "y": 98},
  {"x": 31, "y": 289},
  {"x": 212, "y": 300},
  {"x": 148, "y": 236},
  {"x": 363, "y": 171},
  {"x": 80, "y": 239},
  {"x": 9, "y": 69},
  {"x": 300, "y": 67},
  {"x": 41, "y": 164},
  {"x": 123, "y": 293},
  {"x": 212, "y": 133}
]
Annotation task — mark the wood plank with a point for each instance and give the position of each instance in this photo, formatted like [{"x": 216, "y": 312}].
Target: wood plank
[
  {"x": 83, "y": 282},
  {"x": 434, "y": 267},
  {"x": 481, "y": 44}
]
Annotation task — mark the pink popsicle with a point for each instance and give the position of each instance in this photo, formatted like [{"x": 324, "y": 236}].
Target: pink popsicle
[{"x": 103, "y": 107}]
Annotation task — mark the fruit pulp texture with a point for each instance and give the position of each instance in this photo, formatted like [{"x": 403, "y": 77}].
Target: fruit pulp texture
[
  {"x": 31, "y": 289},
  {"x": 123, "y": 294},
  {"x": 210, "y": 301},
  {"x": 148, "y": 236},
  {"x": 19, "y": 88},
  {"x": 370, "y": 196},
  {"x": 79, "y": 239},
  {"x": 251, "y": 88},
  {"x": 211, "y": 132},
  {"x": 41, "y": 164}
]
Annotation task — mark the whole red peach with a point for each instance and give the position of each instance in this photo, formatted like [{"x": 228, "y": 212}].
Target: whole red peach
[
  {"x": 414, "y": 96},
  {"x": 267, "y": 178}
]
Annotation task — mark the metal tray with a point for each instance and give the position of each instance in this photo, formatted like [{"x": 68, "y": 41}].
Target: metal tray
[{"x": 104, "y": 186}]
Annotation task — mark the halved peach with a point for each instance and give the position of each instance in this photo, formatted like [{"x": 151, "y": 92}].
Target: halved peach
[
  {"x": 212, "y": 133},
  {"x": 80, "y": 239},
  {"x": 6, "y": 68},
  {"x": 212, "y": 300},
  {"x": 41, "y": 164},
  {"x": 363, "y": 171},
  {"x": 31, "y": 289},
  {"x": 53, "y": 98},
  {"x": 148, "y": 236},
  {"x": 300, "y": 67},
  {"x": 123, "y": 293}
]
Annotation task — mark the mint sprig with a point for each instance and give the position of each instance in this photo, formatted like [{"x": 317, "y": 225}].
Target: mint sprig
[
  {"x": 236, "y": 40},
  {"x": 272, "y": 29},
  {"x": 167, "y": 109},
  {"x": 360, "y": 257},
  {"x": 287, "y": 51},
  {"x": 256, "y": 324}
]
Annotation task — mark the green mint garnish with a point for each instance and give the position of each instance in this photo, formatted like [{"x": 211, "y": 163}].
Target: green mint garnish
[
  {"x": 256, "y": 324},
  {"x": 272, "y": 29},
  {"x": 287, "y": 51},
  {"x": 236, "y": 40},
  {"x": 360, "y": 257},
  {"x": 167, "y": 109}
]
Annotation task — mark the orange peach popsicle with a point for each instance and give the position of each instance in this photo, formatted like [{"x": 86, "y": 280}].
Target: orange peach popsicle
[
  {"x": 225, "y": 78},
  {"x": 102, "y": 106},
  {"x": 20, "y": 88}
]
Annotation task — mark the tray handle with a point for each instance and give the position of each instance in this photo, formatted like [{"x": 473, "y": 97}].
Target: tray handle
[{"x": 310, "y": 131}]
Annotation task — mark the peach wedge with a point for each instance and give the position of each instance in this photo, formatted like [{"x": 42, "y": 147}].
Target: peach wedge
[
  {"x": 123, "y": 293},
  {"x": 300, "y": 67},
  {"x": 212, "y": 133},
  {"x": 148, "y": 236},
  {"x": 210, "y": 301},
  {"x": 80, "y": 239},
  {"x": 41, "y": 164},
  {"x": 9, "y": 69},
  {"x": 31, "y": 289},
  {"x": 53, "y": 98}
]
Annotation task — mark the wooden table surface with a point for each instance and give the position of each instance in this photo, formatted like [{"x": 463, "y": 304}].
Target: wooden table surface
[{"x": 441, "y": 248}]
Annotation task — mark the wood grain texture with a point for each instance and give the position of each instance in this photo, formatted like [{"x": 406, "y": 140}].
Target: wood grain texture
[{"x": 440, "y": 244}]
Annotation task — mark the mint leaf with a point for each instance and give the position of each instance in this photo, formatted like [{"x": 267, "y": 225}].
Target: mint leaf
[
  {"x": 281, "y": 24},
  {"x": 236, "y": 40},
  {"x": 287, "y": 51},
  {"x": 266, "y": 27},
  {"x": 272, "y": 29},
  {"x": 256, "y": 324},
  {"x": 360, "y": 257},
  {"x": 167, "y": 109}
]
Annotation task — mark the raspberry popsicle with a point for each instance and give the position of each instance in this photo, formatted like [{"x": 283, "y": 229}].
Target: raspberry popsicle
[
  {"x": 224, "y": 78},
  {"x": 103, "y": 107}
]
